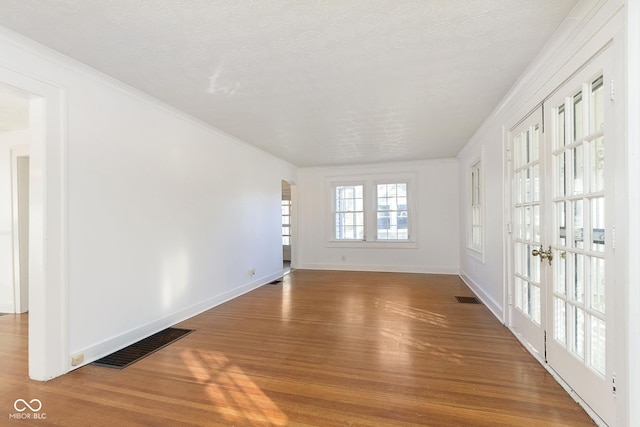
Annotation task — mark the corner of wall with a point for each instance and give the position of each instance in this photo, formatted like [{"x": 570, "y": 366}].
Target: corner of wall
[{"x": 488, "y": 301}]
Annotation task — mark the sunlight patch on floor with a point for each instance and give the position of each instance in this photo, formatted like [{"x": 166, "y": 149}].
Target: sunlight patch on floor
[
  {"x": 413, "y": 313},
  {"x": 403, "y": 339},
  {"x": 233, "y": 393}
]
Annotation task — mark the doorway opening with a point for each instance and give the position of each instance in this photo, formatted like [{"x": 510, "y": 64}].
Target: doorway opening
[
  {"x": 15, "y": 134},
  {"x": 20, "y": 204},
  {"x": 287, "y": 227},
  {"x": 47, "y": 219}
]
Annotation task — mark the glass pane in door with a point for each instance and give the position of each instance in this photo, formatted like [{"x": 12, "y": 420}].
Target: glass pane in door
[
  {"x": 579, "y": 290},
  {"x": 526, "y": 222}
]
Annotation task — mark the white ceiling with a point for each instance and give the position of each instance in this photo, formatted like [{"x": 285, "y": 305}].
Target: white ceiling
[{"x": 320, "y": 82}]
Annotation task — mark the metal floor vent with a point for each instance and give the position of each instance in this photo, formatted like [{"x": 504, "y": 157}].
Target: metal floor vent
[
  {"x": 468, "y": 300},
  {"x": 276, "y": 282},
  {"x": 143, "y": 348}
]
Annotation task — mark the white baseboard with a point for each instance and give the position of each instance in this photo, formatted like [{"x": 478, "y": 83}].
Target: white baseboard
[
  {"x": 106, "y": 347},
  {"x": 6, "y": 308},
  {"x": 489, "y": 302},
  {"x": 380, "y": 268}
]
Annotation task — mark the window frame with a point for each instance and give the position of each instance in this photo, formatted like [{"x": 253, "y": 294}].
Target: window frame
[
  {"x": 377, "y": 210},
  {"x": 476, "y": 205},
  {"x": 370, "y": 184},
  {"x": 334, "y": 210}
]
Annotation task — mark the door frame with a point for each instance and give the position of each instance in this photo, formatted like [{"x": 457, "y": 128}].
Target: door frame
[{"x": 48, "y": 257}]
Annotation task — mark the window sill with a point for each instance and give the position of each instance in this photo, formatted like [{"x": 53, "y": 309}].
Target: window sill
[{"x": 373, "y": 244}]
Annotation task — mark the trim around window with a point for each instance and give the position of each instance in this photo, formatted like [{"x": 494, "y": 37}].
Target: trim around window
[{"x": 386, "y": 200}]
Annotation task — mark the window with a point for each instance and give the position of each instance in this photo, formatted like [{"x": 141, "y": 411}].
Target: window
[
  {"x": 349, "y": 213},
  {"x": 286, "y": 222},
  {"x": 475, "y": 235},
  {"x": 371, "y": 210},
  {"x": 392, "y": 212}
]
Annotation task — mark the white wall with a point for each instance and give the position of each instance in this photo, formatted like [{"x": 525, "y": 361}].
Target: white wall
[
  {"x": 436, "y": 215},
  {"x": 7, "y": 141},
  {"x": 166, "y": 216}
]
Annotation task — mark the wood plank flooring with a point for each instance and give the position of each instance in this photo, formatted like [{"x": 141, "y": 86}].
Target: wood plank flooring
[{"x": 322, "y": 348}]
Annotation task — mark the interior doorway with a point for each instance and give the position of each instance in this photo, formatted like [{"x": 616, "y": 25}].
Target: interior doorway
[
  {"x": 287, "y": 227},
  {"x": 20, "y": 208},
  {"x": 47, "y": 240},
  {"x": 15, "y": 135}
]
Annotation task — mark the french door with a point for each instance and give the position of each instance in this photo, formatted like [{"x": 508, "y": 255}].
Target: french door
[
  {"x": 528, "y": 282},
  {"x": 562, "y": 194}
]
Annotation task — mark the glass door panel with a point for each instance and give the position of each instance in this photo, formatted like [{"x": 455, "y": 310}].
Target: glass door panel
[
  {"x": 527, "y": 231},
  {"x": 578, "y": 210}
]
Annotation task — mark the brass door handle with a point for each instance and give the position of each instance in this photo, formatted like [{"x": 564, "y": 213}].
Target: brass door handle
[{"x": 548, "y": 254}]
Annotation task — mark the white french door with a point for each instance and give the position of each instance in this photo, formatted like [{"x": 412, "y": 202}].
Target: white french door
[
  {"x": 562, "y": 191},
  {"x": 527, "y": 281}
]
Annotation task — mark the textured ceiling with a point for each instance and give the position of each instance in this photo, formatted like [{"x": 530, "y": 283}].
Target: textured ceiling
[{"x": 314, "y": 82}]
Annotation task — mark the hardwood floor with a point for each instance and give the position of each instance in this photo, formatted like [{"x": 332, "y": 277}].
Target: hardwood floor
[{"x": 323, "y": 348}]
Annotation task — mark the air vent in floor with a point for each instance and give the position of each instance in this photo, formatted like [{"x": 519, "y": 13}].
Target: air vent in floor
[
  {"x": 468, "y": 300},
  {"x": 143, "y": 348}
]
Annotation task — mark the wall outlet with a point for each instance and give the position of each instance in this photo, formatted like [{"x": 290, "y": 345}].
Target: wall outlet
[
  {"x": 77, "y": 359},
  {"x": 252, "y": 272}
]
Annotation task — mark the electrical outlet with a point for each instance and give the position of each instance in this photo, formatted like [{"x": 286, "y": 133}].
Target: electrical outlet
[
  {"x": 252, "y": 272},
  {"x": 77, "y": 359}
]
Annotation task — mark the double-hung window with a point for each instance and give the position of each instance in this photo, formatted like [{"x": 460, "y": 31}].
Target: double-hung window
[
  {"x": 392, "y": 211},
  {"x": 349, "y": 212},
  {"x": 372, "y": 209}
]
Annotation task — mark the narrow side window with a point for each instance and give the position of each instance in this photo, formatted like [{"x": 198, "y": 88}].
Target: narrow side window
[{"x": 475, "y": 226}]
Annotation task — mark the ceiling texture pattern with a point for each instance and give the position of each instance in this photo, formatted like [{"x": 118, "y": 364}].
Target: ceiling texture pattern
[{"x": 315, "y": 82}]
